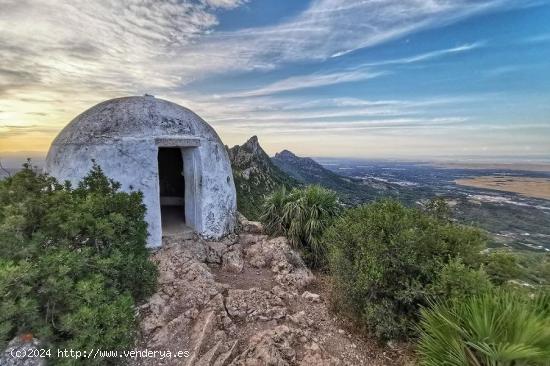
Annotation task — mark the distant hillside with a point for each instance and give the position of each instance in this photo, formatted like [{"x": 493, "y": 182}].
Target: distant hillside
[
  {"x": 308, "y": 171},
  {"x": 255, "y": 176}
]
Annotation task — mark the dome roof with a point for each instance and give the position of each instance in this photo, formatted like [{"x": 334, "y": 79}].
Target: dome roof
[{"x": 139, "y": 117}]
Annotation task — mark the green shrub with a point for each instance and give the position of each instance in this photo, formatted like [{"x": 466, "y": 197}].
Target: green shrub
[
  {"x": 273, "y": 212},
  {"x": 388, "y": 260},
  {"x": 456, "y": 280},
  {"x": 73, "y": 262},
  {"x": 439, "y": 208},
  {"x": 503, "y": 266},
  {"x": 498, "y": 328},
  {"x": 302, "y": 215}
]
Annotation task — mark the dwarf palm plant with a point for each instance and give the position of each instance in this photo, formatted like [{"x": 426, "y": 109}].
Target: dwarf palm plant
[
  {"x": 272, "y": 212},
  {"x": 499, "y": 328},
  {"x": 302, "y": 215}
]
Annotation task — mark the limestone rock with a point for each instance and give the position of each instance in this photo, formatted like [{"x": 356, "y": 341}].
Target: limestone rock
[
  {"x": 237, "y": 302},
  {"x": 271, "y": 347},
  {"x": 233, "y": 261},
  {"x": 22, "y": 351},
  {"x": 309, "y": 296},
  {"x": 254, "y": 304},
  {"x": 215, "y": 251},
  {"x": 250, "y": 227},
  {"x": 316, "y": 358}
]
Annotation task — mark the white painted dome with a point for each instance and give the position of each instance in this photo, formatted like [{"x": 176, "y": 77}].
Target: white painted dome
[
  {"x": 138, "y": 117},
  {"x": 135, "y": 140}
]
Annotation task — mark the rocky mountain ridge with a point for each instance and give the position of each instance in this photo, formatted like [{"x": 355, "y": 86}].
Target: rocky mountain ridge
[{"x": 255, "y": 176}]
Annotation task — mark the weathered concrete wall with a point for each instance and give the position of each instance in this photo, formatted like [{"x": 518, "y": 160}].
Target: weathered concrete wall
[
  {"x": 218, "y": 197},
  {"x": 129, "y": 156},
  {"x": 131, "y": 163}
]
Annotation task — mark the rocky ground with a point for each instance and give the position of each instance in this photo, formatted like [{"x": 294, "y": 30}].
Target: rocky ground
[{"x": 247, "y": 300}]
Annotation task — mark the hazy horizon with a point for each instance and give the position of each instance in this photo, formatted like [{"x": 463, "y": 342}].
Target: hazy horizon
[
  {"x": 401, "y": 80},
  {"x": 15, "y": 159}
]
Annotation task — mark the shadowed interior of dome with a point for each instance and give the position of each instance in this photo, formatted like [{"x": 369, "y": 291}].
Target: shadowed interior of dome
[{"x": 171, "y": 190}]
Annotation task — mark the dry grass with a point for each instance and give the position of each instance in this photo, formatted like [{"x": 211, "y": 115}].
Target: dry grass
[
  {"x": 530, "y": 187},
  {"x": 530, "y": 167}
]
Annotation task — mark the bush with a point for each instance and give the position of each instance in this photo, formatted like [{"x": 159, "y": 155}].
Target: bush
[
  {"x": 302, "y": 215},
  {"x": 456, "y": 280},
  {"x": 439, "y": 208},
  {"x": 388, "y": 260},
  {"x": 73, "y": 262},
  {"x": 497, "y": 328},
  {"x": 502, "y": 267}
]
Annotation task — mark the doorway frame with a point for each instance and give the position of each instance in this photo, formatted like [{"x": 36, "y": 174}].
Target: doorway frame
[{"x": 189, "y": 147}]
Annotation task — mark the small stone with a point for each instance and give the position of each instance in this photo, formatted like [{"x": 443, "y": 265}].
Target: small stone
[
  {"x": 252, "y": 227},
  {"x": 233, "y": 261},
  {"x": 310, "y": 296},
  {"x": 315, "y": 347}
]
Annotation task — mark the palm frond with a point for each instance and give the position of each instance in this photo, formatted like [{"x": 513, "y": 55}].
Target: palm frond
[{"x": 497, "y": 328}]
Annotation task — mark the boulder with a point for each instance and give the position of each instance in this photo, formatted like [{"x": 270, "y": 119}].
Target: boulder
[{"x": 24, "y": 350}]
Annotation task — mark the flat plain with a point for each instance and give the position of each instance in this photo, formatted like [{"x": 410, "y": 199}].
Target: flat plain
[
  {"x": 527, "y": 167},
  {"x": 530, "y": 187}
]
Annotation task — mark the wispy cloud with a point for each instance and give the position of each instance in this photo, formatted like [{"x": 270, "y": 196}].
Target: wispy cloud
[
  {"x": 130, "y": 45},
  {"x": 430, "y": 55},
  {"x": 7, "y": 130},
  {"x": 539, "y": 38},
  {"x": 503, "y": 70},
  {"x": 226, "y": 4},
  {"x": 59, "y": 57},
  {"x": 310, "y": 81},
  {"x": 361, "y": 72}
]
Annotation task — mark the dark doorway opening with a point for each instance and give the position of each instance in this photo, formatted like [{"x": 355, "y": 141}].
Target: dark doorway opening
[{"x": 172, "y": 190}]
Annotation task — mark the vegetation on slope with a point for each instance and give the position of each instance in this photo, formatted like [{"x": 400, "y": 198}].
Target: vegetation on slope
[
  {"x": 255, "y": 177},
  {"x": 302, "y": 215},
  {"x": 351, "y": 191},
  {"x": 388, "y": 260},
  {"x": 73, "y": 261}
]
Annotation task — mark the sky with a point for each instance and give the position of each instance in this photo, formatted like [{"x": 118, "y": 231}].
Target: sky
[{"x": 397, "y": 79}]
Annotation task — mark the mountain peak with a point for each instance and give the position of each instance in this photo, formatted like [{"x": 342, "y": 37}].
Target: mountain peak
[
  {"x": 285, "y": 154},
  {"x": 253, "y": 144},
  {"x": 255, "y": 176}
]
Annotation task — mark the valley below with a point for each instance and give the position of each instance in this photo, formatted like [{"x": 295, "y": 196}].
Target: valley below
[
  {"x": 512, "y": 205},
  {"x": 530, "y": 187}
]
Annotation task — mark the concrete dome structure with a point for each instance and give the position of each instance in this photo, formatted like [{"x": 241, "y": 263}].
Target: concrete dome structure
[{"x": 161, "y": 149}]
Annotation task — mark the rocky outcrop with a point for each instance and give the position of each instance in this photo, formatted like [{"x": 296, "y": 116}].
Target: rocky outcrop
[
  {"x": 246, "y": 300},
  {"x": 255, "y": 176},
  {"x": 23, "y": 350}
]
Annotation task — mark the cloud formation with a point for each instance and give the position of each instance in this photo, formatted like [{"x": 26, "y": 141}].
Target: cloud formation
[
  {"x": 131, "y": 45},
  {"x": 361, "y": 72},
  {"x": 59, "y": 57}
]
